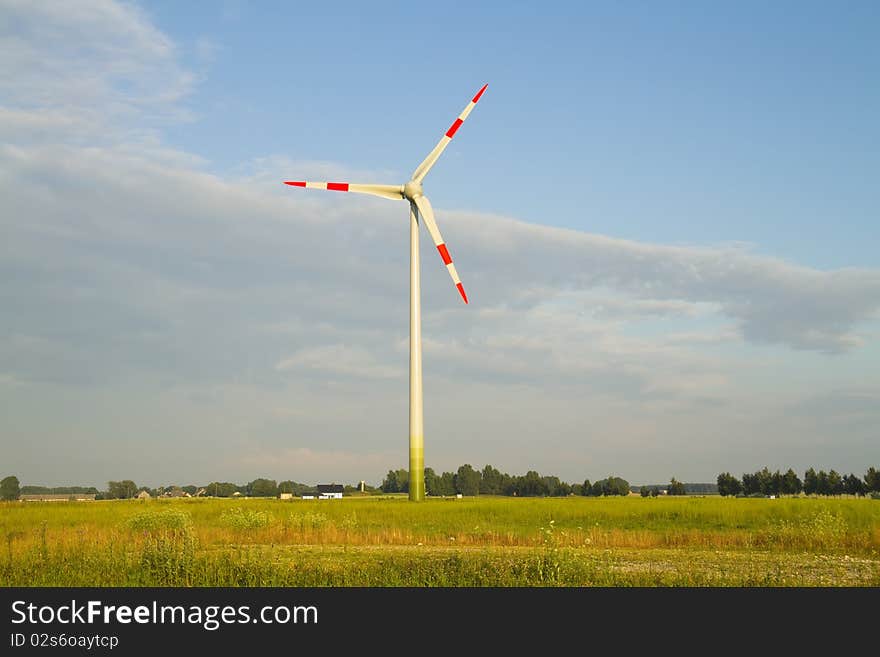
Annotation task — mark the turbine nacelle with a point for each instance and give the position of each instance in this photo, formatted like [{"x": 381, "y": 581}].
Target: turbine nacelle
[{"x": 412, "y": 190}]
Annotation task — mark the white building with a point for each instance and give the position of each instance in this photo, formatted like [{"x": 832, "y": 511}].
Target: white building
[{"x": 330, "y": 491}]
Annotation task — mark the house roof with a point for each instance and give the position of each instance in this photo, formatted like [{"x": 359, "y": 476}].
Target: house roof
[{"x": 52, "y": 497}]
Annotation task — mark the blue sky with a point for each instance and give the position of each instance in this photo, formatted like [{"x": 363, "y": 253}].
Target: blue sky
[
  {"x": 665, "y": 218},
  {"x": 677, "y": 123}
]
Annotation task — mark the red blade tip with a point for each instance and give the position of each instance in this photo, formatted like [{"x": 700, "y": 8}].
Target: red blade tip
[
  {"x": 461, "y": 291},
  {"x": 480, "y": 93},
  {"x": 295, "y": 183}
]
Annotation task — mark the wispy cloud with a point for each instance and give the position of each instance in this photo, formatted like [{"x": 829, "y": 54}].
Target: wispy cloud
[
  {"x": 97, "y": 63},
  {"x": 338, "y": 359}
]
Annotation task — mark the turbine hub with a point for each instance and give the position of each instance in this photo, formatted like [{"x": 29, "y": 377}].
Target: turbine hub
[{"x": 412, "y": 190}]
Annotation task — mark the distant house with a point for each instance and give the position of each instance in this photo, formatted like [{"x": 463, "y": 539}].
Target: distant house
[
  {"x": 286, "y": 496},
  {"x": 201, "y": 492},
  {"x": 176, "y": 492},
  {"x": 143, "y": 495},
  {"x": 308, "y": 497},
  {"x": 330, "y": 491},
  {"x": 59, "y": 497}
]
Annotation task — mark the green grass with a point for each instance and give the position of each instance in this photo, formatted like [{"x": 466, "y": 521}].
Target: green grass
[{"x": 631, "y": 541}]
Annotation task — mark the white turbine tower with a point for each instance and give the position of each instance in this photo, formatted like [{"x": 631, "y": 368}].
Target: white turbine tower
[{"x": 418, "y": 206}]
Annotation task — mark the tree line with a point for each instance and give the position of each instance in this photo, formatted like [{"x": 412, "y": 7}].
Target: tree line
[
  {"x": 490, "y": 481},
  {"x": 260, "y": 487},
  {"x": 10, "y": 489},
  {"x": 763, "y": 483}
]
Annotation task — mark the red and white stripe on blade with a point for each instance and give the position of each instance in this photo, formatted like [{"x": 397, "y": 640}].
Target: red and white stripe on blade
[
  {"x": 422, "y": 170},
  {"x": 394, "y": 192},
  {"x": 427, "y": 213}
]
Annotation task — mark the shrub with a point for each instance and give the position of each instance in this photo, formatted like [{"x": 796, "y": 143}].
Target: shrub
[
  {"x": 349, "y": 523},
  {"x": 822, "y": 530},
  {"x": 307, "y": 520},
  {"x": 168, "y": 553},
  {"x": 170, "y": 520},
  {"x": 244, "y": 520}
]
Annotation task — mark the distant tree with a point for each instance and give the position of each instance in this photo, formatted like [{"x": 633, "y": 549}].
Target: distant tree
[
  {"x": 552, "y": 485},
  {"x": 447, "y": 484},
  {"x": 872, "y": 480},
  {"x": 58, "y": 490},
  {"x": 432, "y": 482},
  {"x": 811, "y": 482},
  {"x": 645, "y": 491},
  {"x": 121, "y": 490},
  {"x": 192, "y": 490},
  {"x": 9, "y": 488},
  {"x": 675, "y": 488},
  {"x": 586, "y": 487},
  {"x": 775, "y": 483},
  {"x": 791, "y": 484},
  {"x": 533, "y": 485},
  {"x": 728, "y": 484},
  {"x": 611, "y": 486},
  {"x": 263, "y": 488},
  {"x": 220, "y": 489},
  {"x": 390, "y": 483},
  {"x": 823, "y": 486},
  {"x": 764, "y": 481},
  {"x": 751, "y": 484},
  {"x": 835, "y": 483},
  {"x": 853, "y": 485},
  {"x": 403, "y": 480},
  {"x": 491, "y": 481},
  {"x": 467, "y": 480},
  {"x": 295, "y": 488},
  {"x": 618, "y": 486},
  {"x": 396, "y": 481}
]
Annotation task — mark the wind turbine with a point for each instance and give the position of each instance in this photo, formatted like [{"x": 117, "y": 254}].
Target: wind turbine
[{"x": 419, "y": 206}]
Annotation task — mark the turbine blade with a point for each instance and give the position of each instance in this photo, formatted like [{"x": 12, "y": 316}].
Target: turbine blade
[
  {"x": 423, "y": 169},
  {"x": 427, "y": 212},
  {"x": 394, "y": 192}
]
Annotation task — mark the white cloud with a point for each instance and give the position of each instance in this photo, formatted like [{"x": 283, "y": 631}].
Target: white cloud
[
  {"x": 97, "y": 63},
  {"x": 339, "y": 359},
  {"x": 772, "y": 300},
  {"x": 302, "y": 463}
]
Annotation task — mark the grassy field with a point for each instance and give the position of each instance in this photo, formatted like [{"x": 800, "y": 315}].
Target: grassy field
[{"x": 468, "y": 542}]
